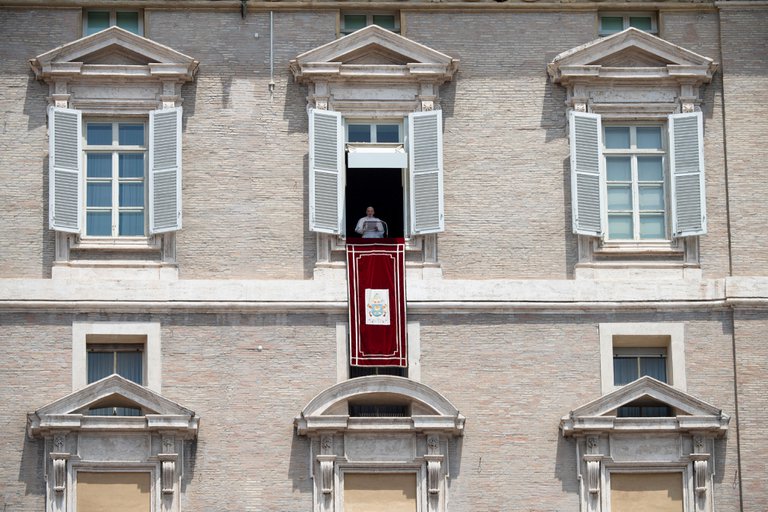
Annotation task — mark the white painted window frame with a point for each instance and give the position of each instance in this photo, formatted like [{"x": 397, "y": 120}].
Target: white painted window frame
[
  {"x": 675, "y": 349},
  {"x": 684, "y": 469},
  {"x": 150, "y": 331},
  {"x": 369, "y": 20},
  {"x": 625, "y": 20},
  {"x": 418, "y": 469},
  {"x": 125, "y": 467}
]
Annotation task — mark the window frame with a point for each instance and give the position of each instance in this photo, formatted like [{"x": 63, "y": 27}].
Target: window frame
[
  {"x": 373, "y": 124},
  {"x": 654, "y": 334},
  {"x": 634, "y": 153},
  {"x": 685, "y": 470},
  {"x": 89, "y": 333},
  {"x": 113, "y": 19},
  {"x": 115, "y": 149},
  {"x": 417, "y": 470},
  {"x": 625, "y": 16},
  {"x": 369, "y": 20},
  {"x": 127, "y": 467}
]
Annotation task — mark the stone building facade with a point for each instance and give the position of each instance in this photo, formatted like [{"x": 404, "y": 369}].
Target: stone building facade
[{"x": 579, "y": 186}]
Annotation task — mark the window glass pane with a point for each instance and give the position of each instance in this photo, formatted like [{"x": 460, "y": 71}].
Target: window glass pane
[
  {"x": 131, "y": 134},
  {"x": 129, "y": 21},
  {"x": 100, "y": 365},
  {"x": 131, "y": 165},
  {"x": 641, "y": 22},
  {"x": 98, "y": 134},
  {"x": 624, "y": 370},
  {"x": 652, "y": 227},
  {"x": 359, "y": 133},
  {"x": 384, "y": 21},
  {"x": 131, "y": 224},
  {"x": 354, "y": 22},
  {"x": 655, "y": 367},
  {"x": 650, "y": 168},
  {"x": 649, "y": 137},
  {"x": 620, "y": 227},
  {"x": 619, "y": 197},
  {"x": 96, "y": 21},
  {"x": 98, "y": 223},
  {"x": 619, "y": 168},
  {"x": 617, "y": 137},
  {"x": 99, "y": 165},
  {"x": 129, "y": 365},
  {"x": 99, "y": 194},
  {"x": 651, "y": 197},
  {"x": 387, "y": 133},
  {"x": 131, "y": 194},
  {"x": 611, "y": 24}
]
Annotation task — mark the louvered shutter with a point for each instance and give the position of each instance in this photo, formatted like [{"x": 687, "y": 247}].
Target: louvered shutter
[
  {"x": 686, "y": 156},
  {"x": 586, "y": 174},
  {"x": 326, "y": 166},
  {"x": 165, "y": 170},
  {"x": 65, "y": 169},
  {"x": 425, "y": 159}
]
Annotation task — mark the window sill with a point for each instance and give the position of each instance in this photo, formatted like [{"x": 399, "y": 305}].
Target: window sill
[
  {"x": 150, "y": 243},
  {"x": 660, "y": 247}
]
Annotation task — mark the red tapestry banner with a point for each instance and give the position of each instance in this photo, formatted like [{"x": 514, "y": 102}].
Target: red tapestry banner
[{"x": 376, "y": 279}]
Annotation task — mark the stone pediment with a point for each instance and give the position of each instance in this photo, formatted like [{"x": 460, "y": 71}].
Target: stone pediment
[
  {"x": 630, "y": 55},
  {"x": 688, "y": 413},
  {"x": 71, "y": 412},
  {"x": 373, "y": 53},
  {"x": 114, "y": 52},
  {"x": 428, "y": 409}
]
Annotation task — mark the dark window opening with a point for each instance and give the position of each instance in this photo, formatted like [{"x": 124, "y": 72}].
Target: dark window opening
[
  {"x": 363, "y": 371},
  {"x": 644, "y": 411},
  {"x": 378, "y": 411},
  {"x": 114, "y": 411},
  {"x": 629, "y": 364},
  {"x": 380, "y": 188},
  {"x": 125, "y": 360}
]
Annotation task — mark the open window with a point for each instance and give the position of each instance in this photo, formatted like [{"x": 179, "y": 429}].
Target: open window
[
  {"x": 375, "y": 137},
  {"x": 380, "y": 443},
  {"x": 663, "y": 458}
]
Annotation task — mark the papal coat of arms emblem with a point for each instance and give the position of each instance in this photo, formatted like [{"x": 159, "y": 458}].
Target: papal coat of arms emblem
[{"x": 376, "y": 306}]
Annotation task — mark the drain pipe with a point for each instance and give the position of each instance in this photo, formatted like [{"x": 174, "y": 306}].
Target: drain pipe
[{"x": 271, "y": 55}]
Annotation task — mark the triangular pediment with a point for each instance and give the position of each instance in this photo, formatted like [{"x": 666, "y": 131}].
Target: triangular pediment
[
  {"x": 688, "y": 412},
  {"x": 71, "y": 411},
  {"x": 110, "y": 49},
  {"x": 648, "y": 55},
  {"x": 374, "y": 52}
]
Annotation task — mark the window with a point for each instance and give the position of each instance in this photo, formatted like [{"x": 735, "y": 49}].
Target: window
[
  {"x": 635, "y": 182},
  {"x": 627, "y": 355},
  {"x": 98, "y": 180},
  {"x": 115, "y": 166},
  {"x": 380, "y": 492},
  {"x": 126, "y": 360},
  {"x": 611, "y": 23},
  {"x": 403, "y": 182},
  {"x": 351, "y": 22},
  {"x": 631, "y": 363},
  {"x": 96, "y": 21},
  {"x": 618, "y": 178},
  {"x": 114, "y": 491},
  {"x": 660, "y": 492}
]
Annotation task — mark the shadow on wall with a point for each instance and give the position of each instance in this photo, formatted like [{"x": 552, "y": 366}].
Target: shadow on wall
[
  {"x": 565, "y": 465},
  {"x": 31, "y": 470},
  {"x": 571, "y": 239}
]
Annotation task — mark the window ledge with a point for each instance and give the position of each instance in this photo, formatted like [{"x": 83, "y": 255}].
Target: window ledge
[
  {"x": 116, "y": 244},
  {"x": 661, "y": 247}
]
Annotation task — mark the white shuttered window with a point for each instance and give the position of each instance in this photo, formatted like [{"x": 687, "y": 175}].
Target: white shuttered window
[
  {"x": 637, "y": 182},
  {"x": 425, "y": 157},
  {"x": 104, "y": 196},
  {"x": 326, "y": 171}
]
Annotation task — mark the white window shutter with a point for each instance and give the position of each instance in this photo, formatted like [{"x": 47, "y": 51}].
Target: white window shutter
[
  {"x": 686, "y": 156},
  {"x": 326, "y": 171},
  {"x": 425, "y": 159},
  {"x": 165, "y": 170},
  {"x": 65, "y": 169},
  {"x": 587, "y": 174}
]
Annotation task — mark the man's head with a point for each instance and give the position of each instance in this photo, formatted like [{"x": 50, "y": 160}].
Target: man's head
[{"x": 369, "y": 211}]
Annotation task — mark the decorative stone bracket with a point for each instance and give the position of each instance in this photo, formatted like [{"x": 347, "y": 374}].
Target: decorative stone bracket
[
  {"x": 59, "y": 471},
  {"x": 434, "y": 464}
]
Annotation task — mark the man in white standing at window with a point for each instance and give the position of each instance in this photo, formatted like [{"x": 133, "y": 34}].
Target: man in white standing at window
[{"x": 369, "y": 226}]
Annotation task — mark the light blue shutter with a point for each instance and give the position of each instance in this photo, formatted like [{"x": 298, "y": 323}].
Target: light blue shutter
[
  {"x": 686, "y": 156},
  {"x": 65, "y": 169},
  {"x": 425, "y": 158},
  {"x": 586, "y": 174},
  {"x": 326, "y": 170},
  {"x": 165, "y": 170}
]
